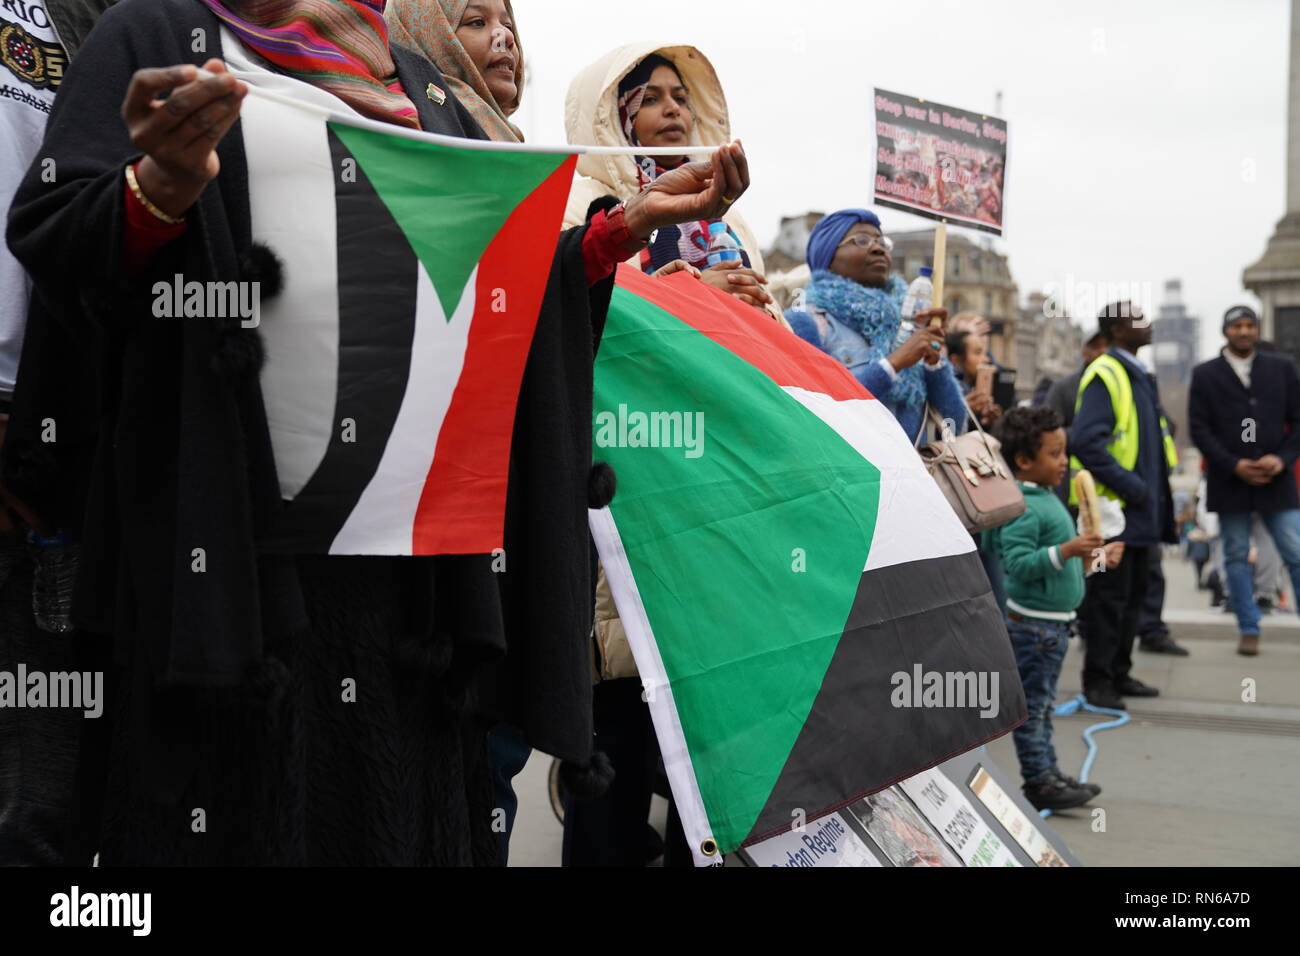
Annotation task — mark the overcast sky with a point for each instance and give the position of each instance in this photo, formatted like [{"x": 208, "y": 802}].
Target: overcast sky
[{"x": 1147, "y": 136}]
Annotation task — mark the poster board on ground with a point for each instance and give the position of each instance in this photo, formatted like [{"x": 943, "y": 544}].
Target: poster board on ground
[{"x": 935, "y": 818}]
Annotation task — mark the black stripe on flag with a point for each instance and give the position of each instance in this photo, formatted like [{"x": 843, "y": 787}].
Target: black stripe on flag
[
  {"x": 377, "y": 277},
  {"x": 939, "y": 614}
]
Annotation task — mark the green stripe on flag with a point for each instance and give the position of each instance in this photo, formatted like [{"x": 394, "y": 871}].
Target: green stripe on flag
[
  {"x": 716, "y": 544},
  {"x": 449, "y": 202}
]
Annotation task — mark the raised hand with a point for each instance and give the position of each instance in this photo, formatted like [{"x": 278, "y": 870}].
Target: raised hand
[
  {"x": 179, "y": 134},
  {"x": 689, "y": 193}
]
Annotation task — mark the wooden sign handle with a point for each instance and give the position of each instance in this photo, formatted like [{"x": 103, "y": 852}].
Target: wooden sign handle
[{"x": 940, "y": 260}]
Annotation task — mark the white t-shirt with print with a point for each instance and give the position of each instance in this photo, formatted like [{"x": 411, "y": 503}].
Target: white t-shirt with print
[{"x": 31, "y": 67}]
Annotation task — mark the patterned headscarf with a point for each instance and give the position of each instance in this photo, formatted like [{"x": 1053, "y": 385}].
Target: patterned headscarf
[
  {"x": 688, "y": 240},
  {"x": 631, "y": 94},
  {"x": 429, "y": 28},
  {"x": 338, "y": 45}
]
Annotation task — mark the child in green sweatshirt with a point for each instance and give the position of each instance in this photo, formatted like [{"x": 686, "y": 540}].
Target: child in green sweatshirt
[{"x": 1043, "y": 559}]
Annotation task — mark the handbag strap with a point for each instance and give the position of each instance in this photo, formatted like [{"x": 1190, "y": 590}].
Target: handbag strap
[{"x": 931, "y": 416}]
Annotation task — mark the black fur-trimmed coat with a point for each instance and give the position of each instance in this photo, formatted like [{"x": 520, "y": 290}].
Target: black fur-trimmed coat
[{"x": 162, "y": 446}]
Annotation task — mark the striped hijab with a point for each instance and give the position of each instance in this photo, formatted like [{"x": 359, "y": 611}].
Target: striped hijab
[{"x": 338, "y": 45}]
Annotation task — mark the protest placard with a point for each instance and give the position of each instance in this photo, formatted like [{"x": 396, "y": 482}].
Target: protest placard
[{"x": 939, "y": 161}]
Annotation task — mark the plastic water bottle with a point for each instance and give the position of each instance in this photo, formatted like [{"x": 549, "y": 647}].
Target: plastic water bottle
[
  {"x": 722, "y": 248},
  {"x": 55, "y": 561},
  {"x": 918, "y": 297}
]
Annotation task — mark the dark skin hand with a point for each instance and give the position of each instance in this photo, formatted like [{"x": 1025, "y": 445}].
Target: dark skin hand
[
  {"x": 179, "y": 134},
  {"x": 690, "y": 192},
  {"x": 1259, "y": 471},
  {"x": 925, "y": 344},
  {"x": 745, "y": 284}
]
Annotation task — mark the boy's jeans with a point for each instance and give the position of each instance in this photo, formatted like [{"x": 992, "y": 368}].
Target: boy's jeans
[
  {"x": 1040, "y": 651},
  {"x": 1284, "y": 528}
]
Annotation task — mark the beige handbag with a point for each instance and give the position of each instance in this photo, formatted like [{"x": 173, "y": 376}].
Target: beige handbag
[{"x": 972, "y": 474}]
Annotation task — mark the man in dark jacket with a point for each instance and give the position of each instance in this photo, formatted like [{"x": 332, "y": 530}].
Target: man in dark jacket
[
  {"x": 1121, "y": 436},
  {"x": 1245, "y": 419}
]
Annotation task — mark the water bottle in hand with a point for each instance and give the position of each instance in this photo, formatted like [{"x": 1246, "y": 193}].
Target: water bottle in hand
[
  {"x": 918, "y": 297},
  {"x": 722, "y": 248}
]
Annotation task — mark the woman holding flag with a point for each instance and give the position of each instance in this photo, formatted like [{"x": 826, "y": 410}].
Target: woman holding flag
[{"x": 280, "y": 707}]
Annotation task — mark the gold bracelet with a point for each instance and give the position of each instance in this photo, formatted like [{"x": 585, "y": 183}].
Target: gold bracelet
[{"x": 138, "y": 193}]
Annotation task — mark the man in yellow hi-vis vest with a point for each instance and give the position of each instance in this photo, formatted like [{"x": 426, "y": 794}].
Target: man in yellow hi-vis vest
[{"x": 1121, "y": 436}]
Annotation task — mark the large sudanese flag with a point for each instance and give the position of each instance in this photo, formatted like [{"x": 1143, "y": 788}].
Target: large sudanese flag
[
  {"x": 775, "y": 576},
  {"x": 392, "y": 405}
]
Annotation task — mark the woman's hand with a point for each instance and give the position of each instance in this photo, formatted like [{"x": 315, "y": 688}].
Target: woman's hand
[
  {"x": 922, "y": 344},
  {"x": 690, "y": 192},
  {"x": 745, "y": 284},
  {"x": 938, "y": 318},
  {"x": 179, "y": 134},
  {"x": 677, "y": 265}
]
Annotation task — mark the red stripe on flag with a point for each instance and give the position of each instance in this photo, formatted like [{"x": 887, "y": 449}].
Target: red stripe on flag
[
  {"x": 462, "y": 509},
  {"x": 752, "y": 335}
]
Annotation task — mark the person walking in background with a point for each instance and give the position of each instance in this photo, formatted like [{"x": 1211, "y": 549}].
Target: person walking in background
[
  {"x": 1121, "y": 436},
  {"x": 853, "y": 313},
  {"x": 1244, "y": 410}
]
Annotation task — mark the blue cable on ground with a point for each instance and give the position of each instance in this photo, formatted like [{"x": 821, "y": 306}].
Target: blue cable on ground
[{"x": 1071, "y": 707}]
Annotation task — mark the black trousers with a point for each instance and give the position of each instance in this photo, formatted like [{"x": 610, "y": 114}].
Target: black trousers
[
  {"x": 38, "y": 747},
  {"x": 1151, "y": 625},
  {"x": 614, "y": 829},
  {"x": 1111, "y": 610}
]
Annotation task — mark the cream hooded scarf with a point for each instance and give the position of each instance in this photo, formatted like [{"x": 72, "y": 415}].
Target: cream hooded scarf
[{"x": 591, "y": 119}]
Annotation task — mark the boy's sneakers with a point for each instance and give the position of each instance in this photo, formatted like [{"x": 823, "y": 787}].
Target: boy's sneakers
[
  {"x": 1093, "y": 788},
  {"x": 1054, "y": 793}
]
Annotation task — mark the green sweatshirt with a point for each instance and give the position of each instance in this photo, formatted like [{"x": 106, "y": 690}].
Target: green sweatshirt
[{"x": 1040, "y": 583}]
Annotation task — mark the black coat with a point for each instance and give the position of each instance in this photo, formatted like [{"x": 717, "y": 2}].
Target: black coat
[
  {"x": 1221, "y": 410},
  {"x": 162, "y": 437}
]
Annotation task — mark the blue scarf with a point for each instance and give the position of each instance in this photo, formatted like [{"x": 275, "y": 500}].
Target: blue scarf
[{"x": 875, "y": 314}]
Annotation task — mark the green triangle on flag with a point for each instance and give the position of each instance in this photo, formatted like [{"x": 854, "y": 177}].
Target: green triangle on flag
[{"x": 450, "y": 202}]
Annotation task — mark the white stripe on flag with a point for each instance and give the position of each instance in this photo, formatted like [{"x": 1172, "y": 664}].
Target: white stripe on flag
[
  {"x": 914, "y": 521},
  {"x": 291, "y": 191},
  {"x": 383, "y": 520},
  {"x": 654, "y": 678}
]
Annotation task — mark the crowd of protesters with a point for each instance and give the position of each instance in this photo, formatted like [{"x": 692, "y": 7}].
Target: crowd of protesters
[{"x": 215, "y": 681}]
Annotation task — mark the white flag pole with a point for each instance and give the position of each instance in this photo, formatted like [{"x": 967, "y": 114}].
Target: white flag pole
[{"x": 485, "y": 145}]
